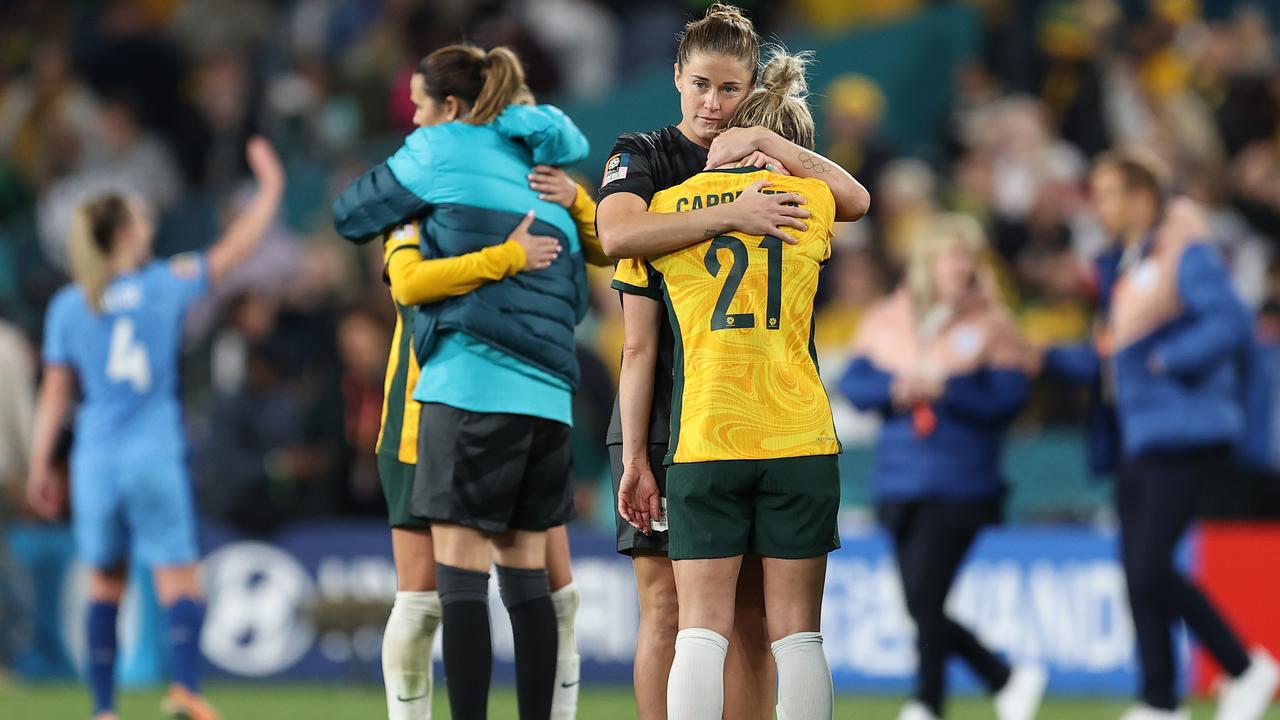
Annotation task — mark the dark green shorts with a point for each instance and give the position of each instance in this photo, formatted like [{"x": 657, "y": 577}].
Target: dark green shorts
[
  {"x": 783, "y": 508},
  {"x": 397, "y": 487}
]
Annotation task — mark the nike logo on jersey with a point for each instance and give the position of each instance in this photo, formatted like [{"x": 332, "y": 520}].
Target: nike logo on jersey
[
  {"x": 569, "y": 685},
  {"x": 410, "y": 699}
]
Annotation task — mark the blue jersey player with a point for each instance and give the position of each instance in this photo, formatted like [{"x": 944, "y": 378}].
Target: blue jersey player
[{"x": 116, "y": 334}]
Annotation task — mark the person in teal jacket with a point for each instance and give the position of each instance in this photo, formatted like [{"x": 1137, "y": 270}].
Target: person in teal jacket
[{"x": 499, "y": 365}]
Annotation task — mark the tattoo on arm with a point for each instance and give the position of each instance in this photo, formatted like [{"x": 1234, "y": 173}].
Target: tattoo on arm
[
  {"x": 813, "y": 163},
  {"x": 711, "y": 233}
]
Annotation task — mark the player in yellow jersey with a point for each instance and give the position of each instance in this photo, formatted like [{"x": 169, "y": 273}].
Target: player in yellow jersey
[
  {"x": 752, "y": 465},
  {"x": 415, "y": 616}
]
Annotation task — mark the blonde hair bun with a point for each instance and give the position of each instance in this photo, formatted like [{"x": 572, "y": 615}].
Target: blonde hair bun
[
  {"x": 784, "y": 73},
  {"x": 780, "y": 103}
]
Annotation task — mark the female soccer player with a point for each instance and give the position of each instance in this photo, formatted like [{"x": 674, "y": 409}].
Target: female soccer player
[
  {"x": 116, "y": 333},
  {"x": 410, "y": 633},
  {"x": 752, "y": 466},
  {"x": 415, "y": 615},
  {"x": 940, "y": 360},
  {"x": 716, "y": 67},
  {"x": 493, "y": 465}
]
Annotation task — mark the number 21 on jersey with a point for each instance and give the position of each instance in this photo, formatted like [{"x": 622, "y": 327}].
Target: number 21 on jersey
[
  {"x": 721, "y": 318},
  {"x": 127, "y": 359}
]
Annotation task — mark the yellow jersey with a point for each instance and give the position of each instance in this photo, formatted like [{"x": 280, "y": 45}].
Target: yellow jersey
[{"x": 746, "y": 383}]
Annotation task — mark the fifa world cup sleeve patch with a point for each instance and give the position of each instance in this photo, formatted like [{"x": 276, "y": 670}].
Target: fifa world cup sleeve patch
[
  {"x": 616, "y": 168},
  {"x": 406, "y": 233},
  {"x": 185, "y": 266}
]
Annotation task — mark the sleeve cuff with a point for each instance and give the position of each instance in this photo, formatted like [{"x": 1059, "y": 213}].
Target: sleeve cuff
[
  {"x": 582, "y": 202},
  {"x": 629, "y": 289}
]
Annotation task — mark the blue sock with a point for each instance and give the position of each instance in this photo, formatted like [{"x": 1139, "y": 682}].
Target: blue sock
[
  {"x": 102, "y": 655},
  {"x": 185, "y": 618}
]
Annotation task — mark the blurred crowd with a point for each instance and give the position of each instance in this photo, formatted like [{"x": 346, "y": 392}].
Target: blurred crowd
[{"x": 285, "y": 364}]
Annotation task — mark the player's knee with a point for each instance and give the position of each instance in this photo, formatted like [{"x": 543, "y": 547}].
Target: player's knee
[
  {"x": 661, "y": 615},
  {"x": 517, "y": 586},
  {"x": 420, "y": 578},
  {"x": 107, "y": 585},
  {"x": 750, "y": 624}
]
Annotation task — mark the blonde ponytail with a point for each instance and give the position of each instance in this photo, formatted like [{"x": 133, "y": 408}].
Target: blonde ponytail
[
  {"x": 503, "y": 83},
  {"x": 93, "y": 230},
  {"x": 780, "y": 104}
]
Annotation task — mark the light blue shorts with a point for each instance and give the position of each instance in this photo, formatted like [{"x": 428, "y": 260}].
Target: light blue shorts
[{"x": 134, "y": 508}]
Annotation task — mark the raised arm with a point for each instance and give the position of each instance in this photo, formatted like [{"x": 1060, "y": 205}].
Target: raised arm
[
  {"x": 628, "y": 230},
  {"x": 852, "y": 199},
  {"x": 43, "y": 492},
  {"x": 246, "y": 231}
]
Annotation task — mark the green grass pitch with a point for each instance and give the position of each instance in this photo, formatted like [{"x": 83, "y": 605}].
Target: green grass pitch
[{"x": 275, "y": 702}]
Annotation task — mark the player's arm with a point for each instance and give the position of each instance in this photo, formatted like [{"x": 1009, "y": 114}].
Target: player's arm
[
  {"x": 45, "y": 495},
  {"x": 418, "y": 281},
  {"x": 389, "y": 194},
  {"x": 554, "y": 185},
  {"x": 638, "y": 497},
  {"x": 246, "y": 231},
  {"x": 852, "y": 199},
  {"x": 628, "y": 230}
]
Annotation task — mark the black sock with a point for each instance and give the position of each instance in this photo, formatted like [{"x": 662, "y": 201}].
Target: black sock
[
  {"x": 468, "y": 649},
  {"x": 527, "y": 597}
]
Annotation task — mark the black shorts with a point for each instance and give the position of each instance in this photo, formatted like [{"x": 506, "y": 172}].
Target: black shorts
[
  {"x": 492, "y": 471},
  {"x": 629, "y": 538}
]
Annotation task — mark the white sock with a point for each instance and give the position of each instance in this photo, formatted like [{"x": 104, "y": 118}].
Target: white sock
[
  {"x": 564, "y": 702},
  {"x": 565, "y": 698},
  {"x": 406, "y": 654},
  {"x": 695, "y": 688},
  {"x": 804, "y": 678}
]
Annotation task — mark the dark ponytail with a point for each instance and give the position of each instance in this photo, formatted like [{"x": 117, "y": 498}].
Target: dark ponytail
[{"x": 486, "y": 83}]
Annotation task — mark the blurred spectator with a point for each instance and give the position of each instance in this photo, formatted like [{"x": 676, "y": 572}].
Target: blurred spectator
[
  {"x": 905, "y": 197},
  {"x": 584, "y": 39},
  {"x": 855, "y": 107},
  {"x": 17, "y": 402},
  {"x": 1073, "y": 35},
  {"x": 17, "y": 405},
  {"x": 837, "y": 16},
  {"x": 130, "y": 160},
  {"x": 362, "y": 340},
  {"x": 48, "y": 120},
  {"x": 1027, "y": 159},
  {"x": 857, "y": 281}
]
